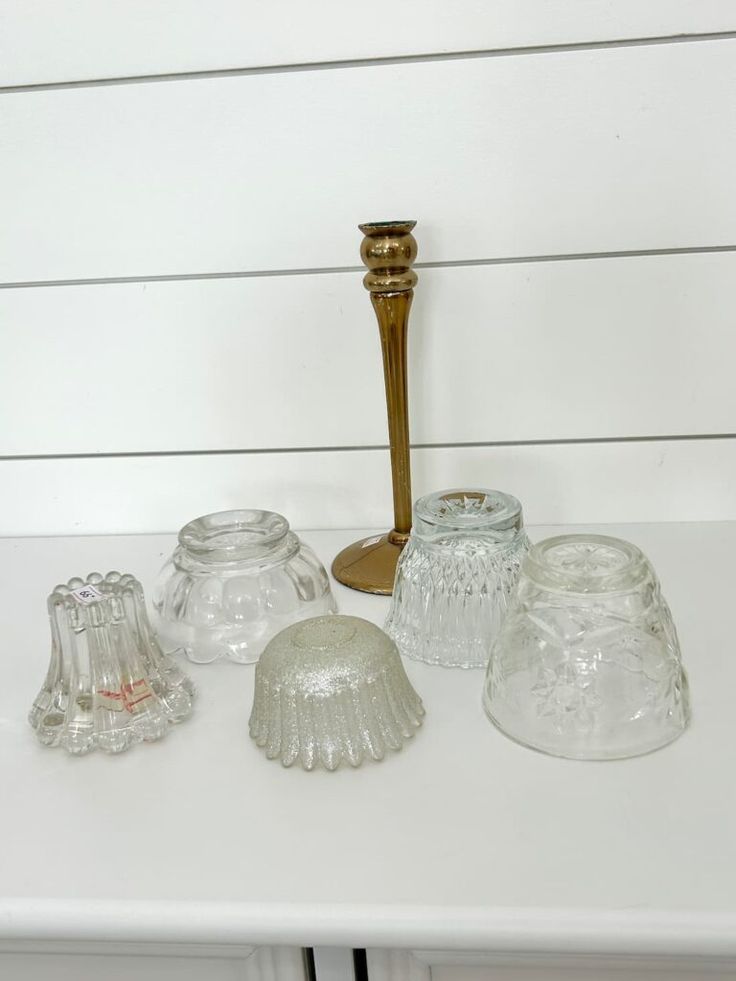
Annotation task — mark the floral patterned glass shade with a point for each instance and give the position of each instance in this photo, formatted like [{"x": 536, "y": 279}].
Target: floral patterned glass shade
[{"x": 587, "y": 664}]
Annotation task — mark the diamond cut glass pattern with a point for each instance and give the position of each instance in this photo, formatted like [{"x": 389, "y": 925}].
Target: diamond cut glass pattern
[{"x": 455, "y": 575}]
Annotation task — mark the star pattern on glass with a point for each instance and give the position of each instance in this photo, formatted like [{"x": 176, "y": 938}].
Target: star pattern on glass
[
  {"x": 468, "y": 504},
  {"x": 588, "y": 559},
  {"x": 568, "y": 696}
]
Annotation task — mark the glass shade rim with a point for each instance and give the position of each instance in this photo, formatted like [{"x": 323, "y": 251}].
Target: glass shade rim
[
  {"x": 466, "y": 510},
  {"x": 539, "y": 565},
  {"x": 227, "y": 536}
]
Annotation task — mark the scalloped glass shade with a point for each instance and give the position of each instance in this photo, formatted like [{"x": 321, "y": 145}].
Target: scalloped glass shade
[
  {"x": 455, "y": 575},
  {"x": 587, "y": 664},
  {"x": 108, "y": 685},
  {"x": 235, "y": 579},
  {"x": 332, "y": 690}
]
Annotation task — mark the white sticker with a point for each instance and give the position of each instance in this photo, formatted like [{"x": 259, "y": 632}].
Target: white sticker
[
  {"x": 86, "y": 594},
  {"x": 371, "y": 541}
]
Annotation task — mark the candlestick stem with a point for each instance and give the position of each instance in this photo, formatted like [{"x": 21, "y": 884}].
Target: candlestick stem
[
  {"x": 392, "y": 311},
  {"x": 388, "y": 250}
]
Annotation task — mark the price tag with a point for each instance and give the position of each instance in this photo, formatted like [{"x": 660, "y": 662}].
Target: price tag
[
  {"x": 112, "y": 700},
  {"x": 127, "y": 699},
  {"x": 86, "y": 594}
]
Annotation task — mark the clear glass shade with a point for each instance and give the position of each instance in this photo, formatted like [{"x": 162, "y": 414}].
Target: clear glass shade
[
  {"x": 108, "y": 684},
  {"x": 587, "y": 663},
  {"x": 235, "y": 579},
  {"x": 455, "y": 575}
]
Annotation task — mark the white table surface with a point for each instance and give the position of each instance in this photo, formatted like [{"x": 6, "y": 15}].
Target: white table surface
[{"x": 464, "y": 840}]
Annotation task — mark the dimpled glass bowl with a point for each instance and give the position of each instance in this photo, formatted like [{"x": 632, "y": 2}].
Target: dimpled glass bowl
[
  {"x": 454, "y": 576},
  {"x": 587, "y": 664},
  {"x": 235, "y": 579}
]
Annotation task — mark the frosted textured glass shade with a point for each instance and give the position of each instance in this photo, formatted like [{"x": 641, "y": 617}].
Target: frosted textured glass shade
[{"x": 332, "y": 690}]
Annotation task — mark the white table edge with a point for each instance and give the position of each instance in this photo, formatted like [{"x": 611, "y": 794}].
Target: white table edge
[{"x": 643, "y": 932}]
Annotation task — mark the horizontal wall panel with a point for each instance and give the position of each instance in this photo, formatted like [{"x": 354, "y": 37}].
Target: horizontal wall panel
[
  {"x": 565, "y": 152},
  {"x": 63, "y": 40},
  {"x": 688, "y": 480},
  {"x": 560, "y": 350}
]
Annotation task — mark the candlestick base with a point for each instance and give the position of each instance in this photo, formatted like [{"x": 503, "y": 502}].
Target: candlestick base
[{"x": 370, "y": 564}]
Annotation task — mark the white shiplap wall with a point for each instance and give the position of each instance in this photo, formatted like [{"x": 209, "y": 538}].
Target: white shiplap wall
[{"x": 183, "y": 325}]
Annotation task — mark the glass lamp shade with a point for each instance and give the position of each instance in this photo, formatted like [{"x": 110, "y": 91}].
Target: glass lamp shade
[
  {"x": 332, "y": 690},
  {"x": 108, "y": 684},
  {"x": 587, "y": 664},
  {"x": 235, "y": 579},
  {"x": 455, "y": 575}
]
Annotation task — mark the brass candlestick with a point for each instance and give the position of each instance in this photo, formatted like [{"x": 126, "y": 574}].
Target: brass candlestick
[{"x": 388, "y": 250}]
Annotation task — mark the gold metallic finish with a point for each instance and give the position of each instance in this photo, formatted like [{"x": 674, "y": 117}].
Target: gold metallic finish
[{"x": 388, "y": 250}]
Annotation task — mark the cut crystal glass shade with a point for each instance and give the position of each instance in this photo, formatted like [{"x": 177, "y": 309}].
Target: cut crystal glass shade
[
  {"x": 454, "y": 576},
  {"x": 108, "y": 684},
  {"x": 587, "y": 664},
  {"x": 236, "y": 579},
  {"x": 332, "y": 690}
]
